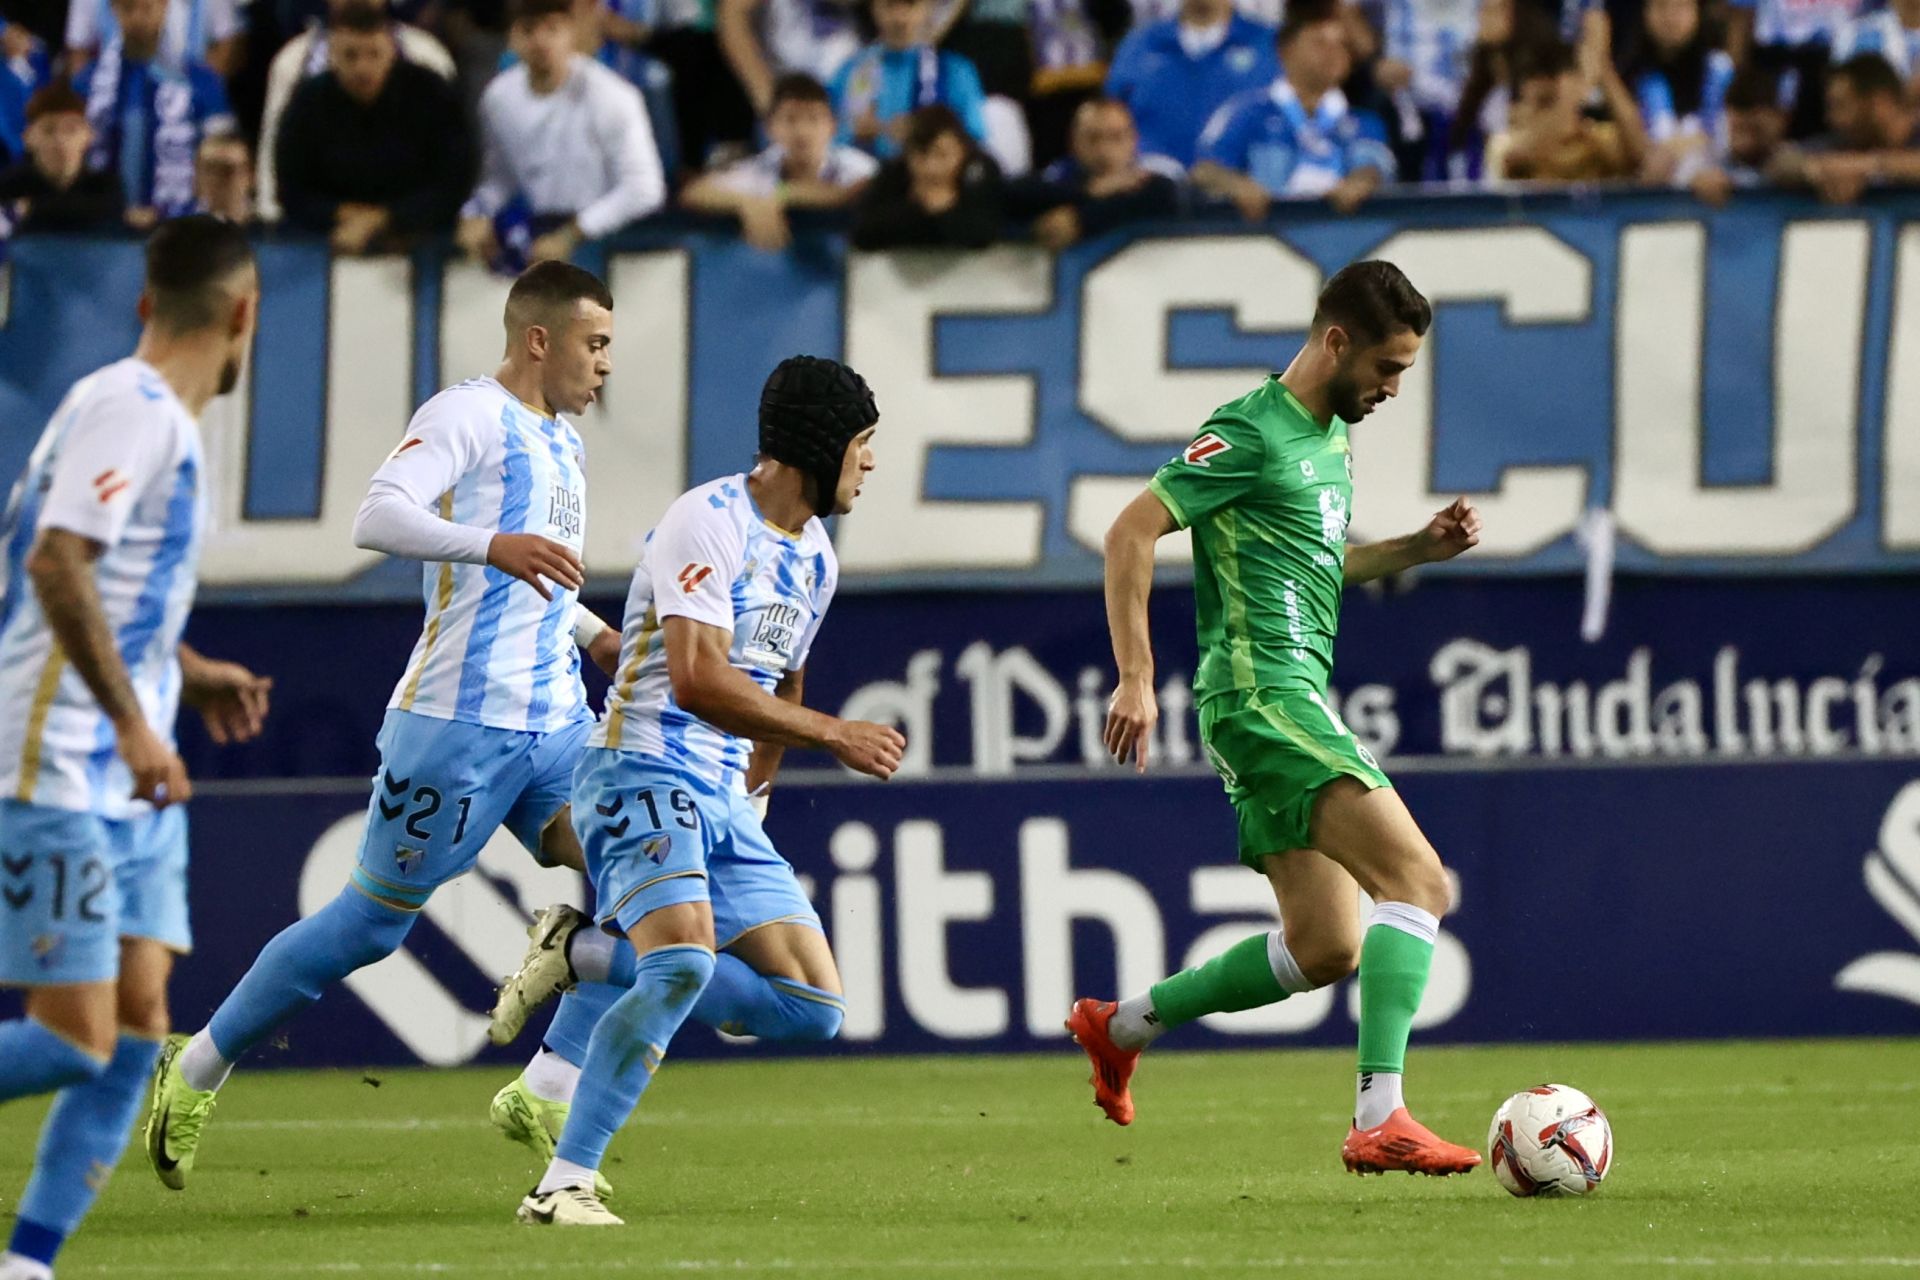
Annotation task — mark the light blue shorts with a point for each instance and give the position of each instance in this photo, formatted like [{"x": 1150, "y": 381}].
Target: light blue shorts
[
  {"x": 445, "y": 787},
  {"x": 73, "y": 884},
  {"x": 656, "y": 837}
]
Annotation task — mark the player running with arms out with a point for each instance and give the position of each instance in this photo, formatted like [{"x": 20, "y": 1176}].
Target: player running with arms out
[
  {"x": 485, "y": 725},
  {"x": 1265, "y": 487},
  {"x": 103, "y": 537},
  {"x": 722, "y": 614}
]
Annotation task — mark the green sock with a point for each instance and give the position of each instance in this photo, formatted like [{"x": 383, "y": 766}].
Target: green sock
[
  {"x": 1237, "y": 978},
  {"x": 1393, "y": 975}
]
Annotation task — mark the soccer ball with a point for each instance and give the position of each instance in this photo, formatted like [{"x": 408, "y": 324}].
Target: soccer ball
[{"x": 1550, "y": 1141}]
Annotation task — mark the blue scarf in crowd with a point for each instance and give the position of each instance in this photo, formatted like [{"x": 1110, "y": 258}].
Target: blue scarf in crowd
[{"x": 155, "y": 167}]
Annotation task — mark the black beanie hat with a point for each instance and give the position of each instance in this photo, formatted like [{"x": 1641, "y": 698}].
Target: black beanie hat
[{"x": 810, "y": 410}]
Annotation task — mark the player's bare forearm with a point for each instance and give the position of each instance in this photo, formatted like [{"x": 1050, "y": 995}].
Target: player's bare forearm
[
  {"x": 1370, "y": 560},
  {"x": 764, "y": 765},
  {"x": 605, "y": 651},
  {"x": 706, "y": 195},
  {"x": 1129, "y": 582},
  {"x": 708, "y": 685},
  {"x": 60, "y": 567}
]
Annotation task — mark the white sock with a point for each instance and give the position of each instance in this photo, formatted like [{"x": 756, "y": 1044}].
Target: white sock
[
  {"x": 15, "y": 1267},
  {"x": 201, "y": 1065},
  {"x": 564, "y": 1173},
  {"x": 1135, "y": 1025},
  {"x": 1376, "y": 1095},
  {"x": 590, "y": 952},
  {"x": 551, "y": 1077}
]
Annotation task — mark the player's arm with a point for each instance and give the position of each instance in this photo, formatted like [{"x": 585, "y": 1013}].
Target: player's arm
[
  {"x": 600, "y": 641},
  {"x": 232, "y": 700},
  {"x": 398, "y": 515},
  {"x": 708, "y": 685},
  {"x": 1450, "y": 532},
  {"x": 1129, "y": 581}
]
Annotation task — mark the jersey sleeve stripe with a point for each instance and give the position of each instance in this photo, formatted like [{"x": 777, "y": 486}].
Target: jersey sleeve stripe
[
  {"x": 43, "y": 695},
  {"x": 442, "y": 597}
]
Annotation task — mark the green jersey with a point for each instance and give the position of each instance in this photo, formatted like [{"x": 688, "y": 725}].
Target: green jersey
[{"x": 1266, "y": 491}]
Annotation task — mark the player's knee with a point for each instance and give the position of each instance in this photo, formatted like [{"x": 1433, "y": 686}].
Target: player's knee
[
  {"x": 144, "y": 1014},
  {"x": 1325, "y": 961},
  {"x": 678, "y": 973},
  {"x": 1422, "y": 882},
  {"x": 813, "y": 1021}
]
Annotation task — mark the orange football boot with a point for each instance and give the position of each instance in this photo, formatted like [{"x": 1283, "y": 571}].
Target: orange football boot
[
  {"x": 1112, "y": 1065},
  {"x": 1403, "y": 1143}
]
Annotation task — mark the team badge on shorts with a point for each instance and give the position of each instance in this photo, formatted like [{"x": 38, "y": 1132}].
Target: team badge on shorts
[
  {"x": 657, "y": 848},
  {"x": 406, "y": 857}
]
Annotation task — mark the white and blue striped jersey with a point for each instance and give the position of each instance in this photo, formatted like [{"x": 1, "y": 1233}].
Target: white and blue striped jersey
[
  {"x": 1791, "y": 23},
  {"x": 1654, "y": 94},
  {"x": 492, "y": 651},
  {"x": 119, "y": 463},
  {"x": 1435, "y": 39},
  {"x": 1880, "y": 32},
  {"x": 713, "y": 558}
]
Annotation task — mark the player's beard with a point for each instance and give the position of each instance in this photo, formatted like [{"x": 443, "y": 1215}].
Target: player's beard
[
  {"x": 229, "y": 375},
  {"x": 1343, "y": 396}
]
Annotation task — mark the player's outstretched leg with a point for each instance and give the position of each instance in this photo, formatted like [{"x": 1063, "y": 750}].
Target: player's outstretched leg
[
  {"x": 80, "y": 1142},
  {"x": 626, "y": 1049},
  {"x": 291, "y": 972},
  {"x": 1370, "y": 832}
]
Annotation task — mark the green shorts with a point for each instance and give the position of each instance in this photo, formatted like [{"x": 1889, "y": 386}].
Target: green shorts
[{"x": 1275, "y": 749}]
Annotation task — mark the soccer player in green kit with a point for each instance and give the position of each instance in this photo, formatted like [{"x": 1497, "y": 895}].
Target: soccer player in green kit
[{"x": 1265, "y": 487}]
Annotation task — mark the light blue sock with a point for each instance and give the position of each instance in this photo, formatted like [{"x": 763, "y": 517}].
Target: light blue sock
[
  {"x": 580, "y": 1010},
  {"x": 34, "y": 1059},
  {"x": 628, "y": 1046},
  {"x": 302, "y": 961},
  {"x": 743, "y": 1002},
  {"x": 80, "y": 1144}
]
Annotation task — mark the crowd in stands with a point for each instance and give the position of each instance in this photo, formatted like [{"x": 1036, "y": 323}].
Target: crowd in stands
[{"x": 524, "y": 127}]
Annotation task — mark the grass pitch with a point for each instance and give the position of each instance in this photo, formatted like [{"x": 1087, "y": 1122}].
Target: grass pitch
[{"x": 1733, "y": 1160}]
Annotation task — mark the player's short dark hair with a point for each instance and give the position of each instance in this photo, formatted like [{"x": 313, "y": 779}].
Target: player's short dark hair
[
  {"x": 798, "y": 86},
  {"x": 927, "y": 125},
  {"x": 362, "y": 17},
  {"x": 57, "y": 98},
  {"x": 1372, "y": 300},
  {"x": 1545, "y": 60},
  {"x": 1302, "y": 14},
  {"x": 1754, "y": 88},
  {"x": 190, "y": 261},
  {"x": 1870, "y": 76},
  {"x": 546, "y": 292},
  {"x": 520, "y": 11}
]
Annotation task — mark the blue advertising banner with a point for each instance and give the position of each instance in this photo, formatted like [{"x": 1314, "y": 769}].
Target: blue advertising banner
[
  {"x": 1593, "y": 903},
  {"x": 1738, "y": 387}
]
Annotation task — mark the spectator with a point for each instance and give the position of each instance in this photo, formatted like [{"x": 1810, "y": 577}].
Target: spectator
[
  {"x": 880, "y": 87},
  {"x": 1874, "y": 138},
  {"x": 1679, "y": 83},
  {"x": 1424, "y": 66},
  {"x": 1298, "y": 136},
  {"x": 566, "y": 142},
  {"x": 1756, "y": 126},
  {"x": 376, "y": 149},
  {"x": 943, "y": 192},
  {"x": 1892, "y": 32},
  {"x": 24, "y": 55},
  {"x": 709, "y": 106},
  {"x": 223, "y": 179},
  {"x": 1174, "y": 75},
  {"x": 1101, "y": 186},
  {"x": 803, "y": 168},
  {"x": 1506, "y": 28},
  {"x": 1071, "y": 39},
  {"x": 1792, "y": 38},
  {"x": 148, "y": 117},
  {"x": 52, "y": 189},
  {"x": 995, "y": 36},
  {"x": 305, "y": 57},
  {"x": 1551, "y": 139},
  {"x": 194, "y": 31},
  {"x": 762, "y": 38}
]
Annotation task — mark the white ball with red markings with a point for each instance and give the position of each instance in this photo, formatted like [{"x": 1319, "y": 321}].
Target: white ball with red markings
[{"x": 1550, "y": 1141}]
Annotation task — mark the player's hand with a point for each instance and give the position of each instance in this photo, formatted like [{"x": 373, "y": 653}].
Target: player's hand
[
  {"x": 865, "y": 747},
  {"x": 232, "y": 700},
  {"x": 536, "y": 561},
  {"x": 1450, "y": 532},
  {"x": 1131, "y": 714},
  {"x": 158, "y": 774}
]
